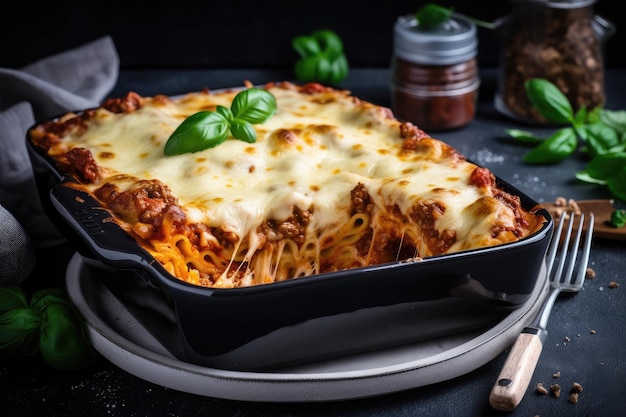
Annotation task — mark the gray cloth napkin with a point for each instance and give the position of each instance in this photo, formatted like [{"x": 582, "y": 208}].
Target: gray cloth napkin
[{"x": 73, "y": 80}]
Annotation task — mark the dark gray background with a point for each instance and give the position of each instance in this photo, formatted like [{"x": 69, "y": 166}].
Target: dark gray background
[{"x": 237, "y": 33}]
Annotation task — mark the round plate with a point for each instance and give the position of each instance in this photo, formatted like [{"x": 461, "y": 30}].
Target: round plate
[{"x": 120, "y": 338}]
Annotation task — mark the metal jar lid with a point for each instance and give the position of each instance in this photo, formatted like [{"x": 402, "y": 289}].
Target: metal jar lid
[
  {"x": 559, "y": 4},
  {"x": 450, "y": 43}
]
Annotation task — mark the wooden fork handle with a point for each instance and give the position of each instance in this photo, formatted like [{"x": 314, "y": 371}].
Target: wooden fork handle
[{"x": 519, "y": 367}]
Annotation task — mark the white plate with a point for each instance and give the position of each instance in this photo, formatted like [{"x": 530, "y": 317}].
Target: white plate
[{"x": 120, "y": 338}]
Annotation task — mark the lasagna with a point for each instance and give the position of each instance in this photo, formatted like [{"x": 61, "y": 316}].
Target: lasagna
[{"x": 331, "y": 182}]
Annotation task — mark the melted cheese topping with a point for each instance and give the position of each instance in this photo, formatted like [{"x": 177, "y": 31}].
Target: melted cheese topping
[{"x": 311, "y": 154}]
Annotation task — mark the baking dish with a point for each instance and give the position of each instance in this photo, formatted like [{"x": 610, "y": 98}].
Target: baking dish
[{"x": 298, "y": 320}]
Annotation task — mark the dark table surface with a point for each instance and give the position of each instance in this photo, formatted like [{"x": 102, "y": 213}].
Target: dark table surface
[{"x": 597, "y": 361}]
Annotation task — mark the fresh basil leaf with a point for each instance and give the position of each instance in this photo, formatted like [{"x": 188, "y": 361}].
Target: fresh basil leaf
[
  {"x": 600, "y": 138},
  {"x": 339, "y": 69},
  {"x": 324, "y": 61},
  {"x": 254, "y": 105},
  {"x": 225, "y": 113},
  {"x": 62, "y": 343},
  {"x": 524, "y": 136},
  {"x": 618, "y": 218},
  {"x": 323, "y": 70},
  {"x": 329, "y": 42},
  {"x": 617, "y": 183},
  {"x": 614, "y": 119},
  {"x": 243, "y": 130},
  {"x": 306, "y": 68},
  {"x": 306, "y": 46},
  {"x": 602, "y": 167},
  {"x": 199, "y": 131},
  {"x": 555, "y": 149},
  {"x": 585, "y": 177},
  {"x": 19, "y": 332},
  {"x": 581, "y": 117},
  {"x": 12, "y": 297},
  {"x": 432, "y": 15},
  {"x": 549, "y": 101},
  {"x": 43, "y": 297}
]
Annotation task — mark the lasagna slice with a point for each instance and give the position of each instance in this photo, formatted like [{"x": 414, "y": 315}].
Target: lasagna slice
[{"x": 332, "y": 182}]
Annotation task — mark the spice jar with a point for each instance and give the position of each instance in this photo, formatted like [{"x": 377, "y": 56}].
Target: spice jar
[
  {"x": 557, "y": 40},
  {"x": 434, "y": 73}
]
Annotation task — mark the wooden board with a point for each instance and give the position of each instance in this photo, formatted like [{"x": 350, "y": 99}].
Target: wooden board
[{"x": 601, "y": 209}]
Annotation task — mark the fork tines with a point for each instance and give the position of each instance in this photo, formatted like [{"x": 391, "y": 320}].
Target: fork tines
[{"x": 563, "y": 239}]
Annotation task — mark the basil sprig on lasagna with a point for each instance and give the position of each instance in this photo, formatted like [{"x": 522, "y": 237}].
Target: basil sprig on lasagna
[{"x": 207, "y": 129}]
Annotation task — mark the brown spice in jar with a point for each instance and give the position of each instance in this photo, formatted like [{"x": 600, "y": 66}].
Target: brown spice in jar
[
  {"x": 559, "y": 45},
  {"x": 435, "y": 97}
]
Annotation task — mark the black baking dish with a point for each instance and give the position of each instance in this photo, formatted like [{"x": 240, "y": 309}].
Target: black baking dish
[{"x": 300, "y": 320}]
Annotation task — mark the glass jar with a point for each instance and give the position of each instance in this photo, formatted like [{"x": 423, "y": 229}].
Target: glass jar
[
  {"x": 557, "y": 40},
  {"x": 434, "y": 73}
]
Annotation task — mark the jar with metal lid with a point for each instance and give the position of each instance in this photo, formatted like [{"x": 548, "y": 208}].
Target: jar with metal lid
[
  {"x": 435, "y": 77},
  {"x": 557, "y": 40}
]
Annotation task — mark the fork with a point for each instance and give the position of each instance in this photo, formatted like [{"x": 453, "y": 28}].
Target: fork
[{"x": 520, "y": 364}]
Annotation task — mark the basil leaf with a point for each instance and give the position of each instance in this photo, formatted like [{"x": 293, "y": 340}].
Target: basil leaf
[
  {"x": 339, "y": 69},
  {"x": 556, "y": 148},
  {"x": 581, "y": 116},
  {"x": 549, "y": 101},
  {"x": 585, "y": 177},
  {"x": 432, "y": 15},
  {"x": 325, "y": 62},
  {"x": 618, "y": 218},
  {"x": 329, "y": 43},
  {"x": 614, "y": 119},
  {"x": 12, "y": 297},
  {"x": 617, "y": 183},
  {"x": 254, "y": 105},
  {"x": 199, "y": 131},
  {"x": 19, "y": 332},
  {"x": 323, "y": 70},
  {"x": 523, "y": 136},
  {"x": 243, "y": 130},
  {"x": 41, "y": 298},
  {"x": 225, "y": 113},
  {"x": 602, "y": 167},
  {"x": 306, "y": 46},
  {"x": 62, "y": 343},
  {"x": 306, "y": 68},
  {"x": 600, "y": 138}
]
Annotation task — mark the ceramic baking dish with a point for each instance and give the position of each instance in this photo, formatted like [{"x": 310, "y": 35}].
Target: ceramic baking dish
[{"x": 299, "y": 320}]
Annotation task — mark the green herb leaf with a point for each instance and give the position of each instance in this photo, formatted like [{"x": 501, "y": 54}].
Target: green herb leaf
[
  {"x": 601, "y": 139},
  {"x": 243, "y": 130},
  {"x": 322, "y": 57},
  {"x": 614, "y": 119},
  {"x": 432, "y": 15},
  {"x": 617, "y": 183},
  {"x": 556, "y": 148},
  {"x": 548, "y": 100},
  {"x": 524, "y": 136},
  {"x": 253, "y": 105},
  {"x": 62, "y": 343},
  {"x": 207, "y": 129},
  {"x": 603, "y": 167},
  {"x": 330, "y": 43},
  {"x": 306, "y": 46},
  {"x": 42, "y": 298},
  {"x": 19, "y": 332},
  {"x": 199, "y": 131},
  {"x": 602, "y": 133},
  {"x": 618, "y": 218},
  {"x": 12, "y": 297}
]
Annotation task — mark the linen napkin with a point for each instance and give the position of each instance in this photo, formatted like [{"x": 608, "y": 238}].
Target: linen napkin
[{"x": 76, "y": 79}]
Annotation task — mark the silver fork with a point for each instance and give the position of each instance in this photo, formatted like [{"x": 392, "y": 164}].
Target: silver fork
[{"x": 519, "y": 366}]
